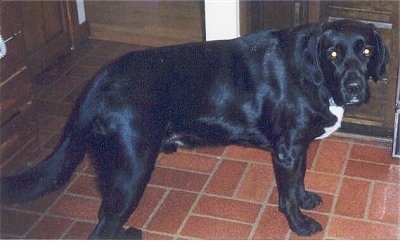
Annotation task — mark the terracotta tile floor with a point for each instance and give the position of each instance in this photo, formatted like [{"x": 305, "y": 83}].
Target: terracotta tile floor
[{"x": 209, "y": 193}]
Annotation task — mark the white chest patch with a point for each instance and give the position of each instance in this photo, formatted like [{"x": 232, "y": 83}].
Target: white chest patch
[{"x": 337, "y": 111}]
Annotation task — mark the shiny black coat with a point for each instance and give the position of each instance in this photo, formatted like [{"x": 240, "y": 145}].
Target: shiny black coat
[{"x": 277, "y": 90}]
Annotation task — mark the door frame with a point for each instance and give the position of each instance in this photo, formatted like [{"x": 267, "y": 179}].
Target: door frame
[
  {"x": 77, "y": 26},
  {"x": 396, "y": 136}
]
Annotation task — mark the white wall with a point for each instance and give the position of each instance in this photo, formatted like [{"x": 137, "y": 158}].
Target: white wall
[
  {"x": 222, "y": 19},
  {"x": 81, "y": 11}
]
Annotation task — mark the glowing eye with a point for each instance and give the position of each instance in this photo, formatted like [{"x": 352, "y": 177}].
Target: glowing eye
[
  {"x": 333, "y": 55},
  {"x": 367, "y": 52}
]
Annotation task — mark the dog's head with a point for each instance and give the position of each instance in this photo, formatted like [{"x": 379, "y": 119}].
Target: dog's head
[{"x": 348, "y": 54}]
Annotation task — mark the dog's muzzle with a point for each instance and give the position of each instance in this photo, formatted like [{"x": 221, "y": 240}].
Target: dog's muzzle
[{"x": 354, "y": 90}]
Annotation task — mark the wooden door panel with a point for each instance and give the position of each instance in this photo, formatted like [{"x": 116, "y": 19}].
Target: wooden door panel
[
  {"x": 363, "y": 10},
  {"x": 46, "y": 33},
  {"x": 53, "y": 10},
  {"x": 149, "y": 23}
]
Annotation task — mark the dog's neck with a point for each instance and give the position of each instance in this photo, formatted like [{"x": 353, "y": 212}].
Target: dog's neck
[{"x": 337, "y": 111}]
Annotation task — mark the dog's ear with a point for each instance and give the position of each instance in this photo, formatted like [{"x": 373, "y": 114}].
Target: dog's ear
[
  {"x": 312, "y": 57},
  {"x": 377, "y": 66}
]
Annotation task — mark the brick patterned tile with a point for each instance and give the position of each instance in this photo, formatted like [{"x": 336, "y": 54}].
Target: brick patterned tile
[
  {"x": 257, "y": 182},
  {"x": 156, "y": 236},
  {"x": 89, "y": 168},
  {"x": 84, "y": 185},
  {"x": 321, "y": 182},
  {"x": 274, "y": 197},
  {"x": 93, "y": 61},
  {"x": 178, "y": 179},
  {"x": 381, "y": 172},
  {"x": 52, "y": 108},
  {"x": 16, "y": 222},
  {"x": 41, "y": 204},
  {"x": 373, "y": 154},
  {"x": 148, "y": 203},
  {"x": 385, "y": 203},
  {"x": 213, "y": 151},
  {"x": 207, "y": 228},
  {"x": 248, "y": 154},
  {"x": 344, "y": 228},
  {"x": 172, "y": 212},
  {"x": 228, "y": 208},
  {"x": 273, "y": 225},
  {"x": 332, "y": 156},
  {"x": 312, "y": 152},
  {"x": 43, "y": 231},
  {"x": 82, "y": 72},
  {"x": 226, "y": 179},
  {"x": 80, "y": 230},
  {"x": 57, "y": 92},
  {"x": 188, "y": 161},
  {"x": 76, "y": 207},
  {"x": 352, "y": 199},
  {"x": 50, "y": 123}
]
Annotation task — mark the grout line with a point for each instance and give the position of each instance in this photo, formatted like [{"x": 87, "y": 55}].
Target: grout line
[
  {"x": 184, "y": 170},
  {"x": 222, "y": 219},
  {"x": 156, "y": 209},
  {"x": 369, "y": 200},
  {"x": 365, "y": 221},
  {"x": 337, "y": 193},
  {"x": 316, "y": 156},
  {"x": 67, "y": 230},
  {"x": 242, "y": 178},
  {"x": 262, "y": 210},
  {"x": 19, "y": 151}
]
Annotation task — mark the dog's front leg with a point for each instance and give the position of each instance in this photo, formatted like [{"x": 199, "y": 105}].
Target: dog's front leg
[{"x": 289, "y": 166}]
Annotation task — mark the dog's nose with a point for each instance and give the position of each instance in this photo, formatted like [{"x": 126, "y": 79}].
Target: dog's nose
[{"x": 354, "y": 86}]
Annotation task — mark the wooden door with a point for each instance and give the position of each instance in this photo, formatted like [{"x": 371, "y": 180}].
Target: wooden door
[
  {"x": 47, "y": 32},
  {"x": 260, "y": 15},
  {"x": 376, "y": 118},
  {"x": 147, "y": 23}
]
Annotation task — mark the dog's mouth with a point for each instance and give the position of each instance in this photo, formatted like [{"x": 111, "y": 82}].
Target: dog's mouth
[
  {"x": 354, "y": 101},
  {"x": 355, "y": 91}
]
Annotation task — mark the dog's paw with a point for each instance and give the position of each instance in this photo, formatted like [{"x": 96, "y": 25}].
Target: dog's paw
[
  {"x": 310, "y": 200},
  {"x": 306, "y": 226}
]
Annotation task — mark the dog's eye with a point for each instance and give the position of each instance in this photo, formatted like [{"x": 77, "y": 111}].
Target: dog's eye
[
  {"x": 367, "y": 52},
  {"x": 333, "y": 54}
]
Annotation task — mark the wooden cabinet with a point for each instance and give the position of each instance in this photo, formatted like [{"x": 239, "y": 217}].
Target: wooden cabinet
[
  {"x": 147, "y": 23},
  {"x": 36, "y": 34},
  {"x": 16, "y": 122},
  {"x": 46, "y": 32}
]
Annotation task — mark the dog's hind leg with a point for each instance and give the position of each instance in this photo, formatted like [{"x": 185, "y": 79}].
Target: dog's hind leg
[{"x": 124, "y": 164}]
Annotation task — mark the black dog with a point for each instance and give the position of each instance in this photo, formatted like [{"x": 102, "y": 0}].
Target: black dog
[{"x": 277, "y": 90}]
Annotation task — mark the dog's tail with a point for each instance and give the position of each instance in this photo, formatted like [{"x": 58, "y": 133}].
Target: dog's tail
[{"x": 49, "y": 175}]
